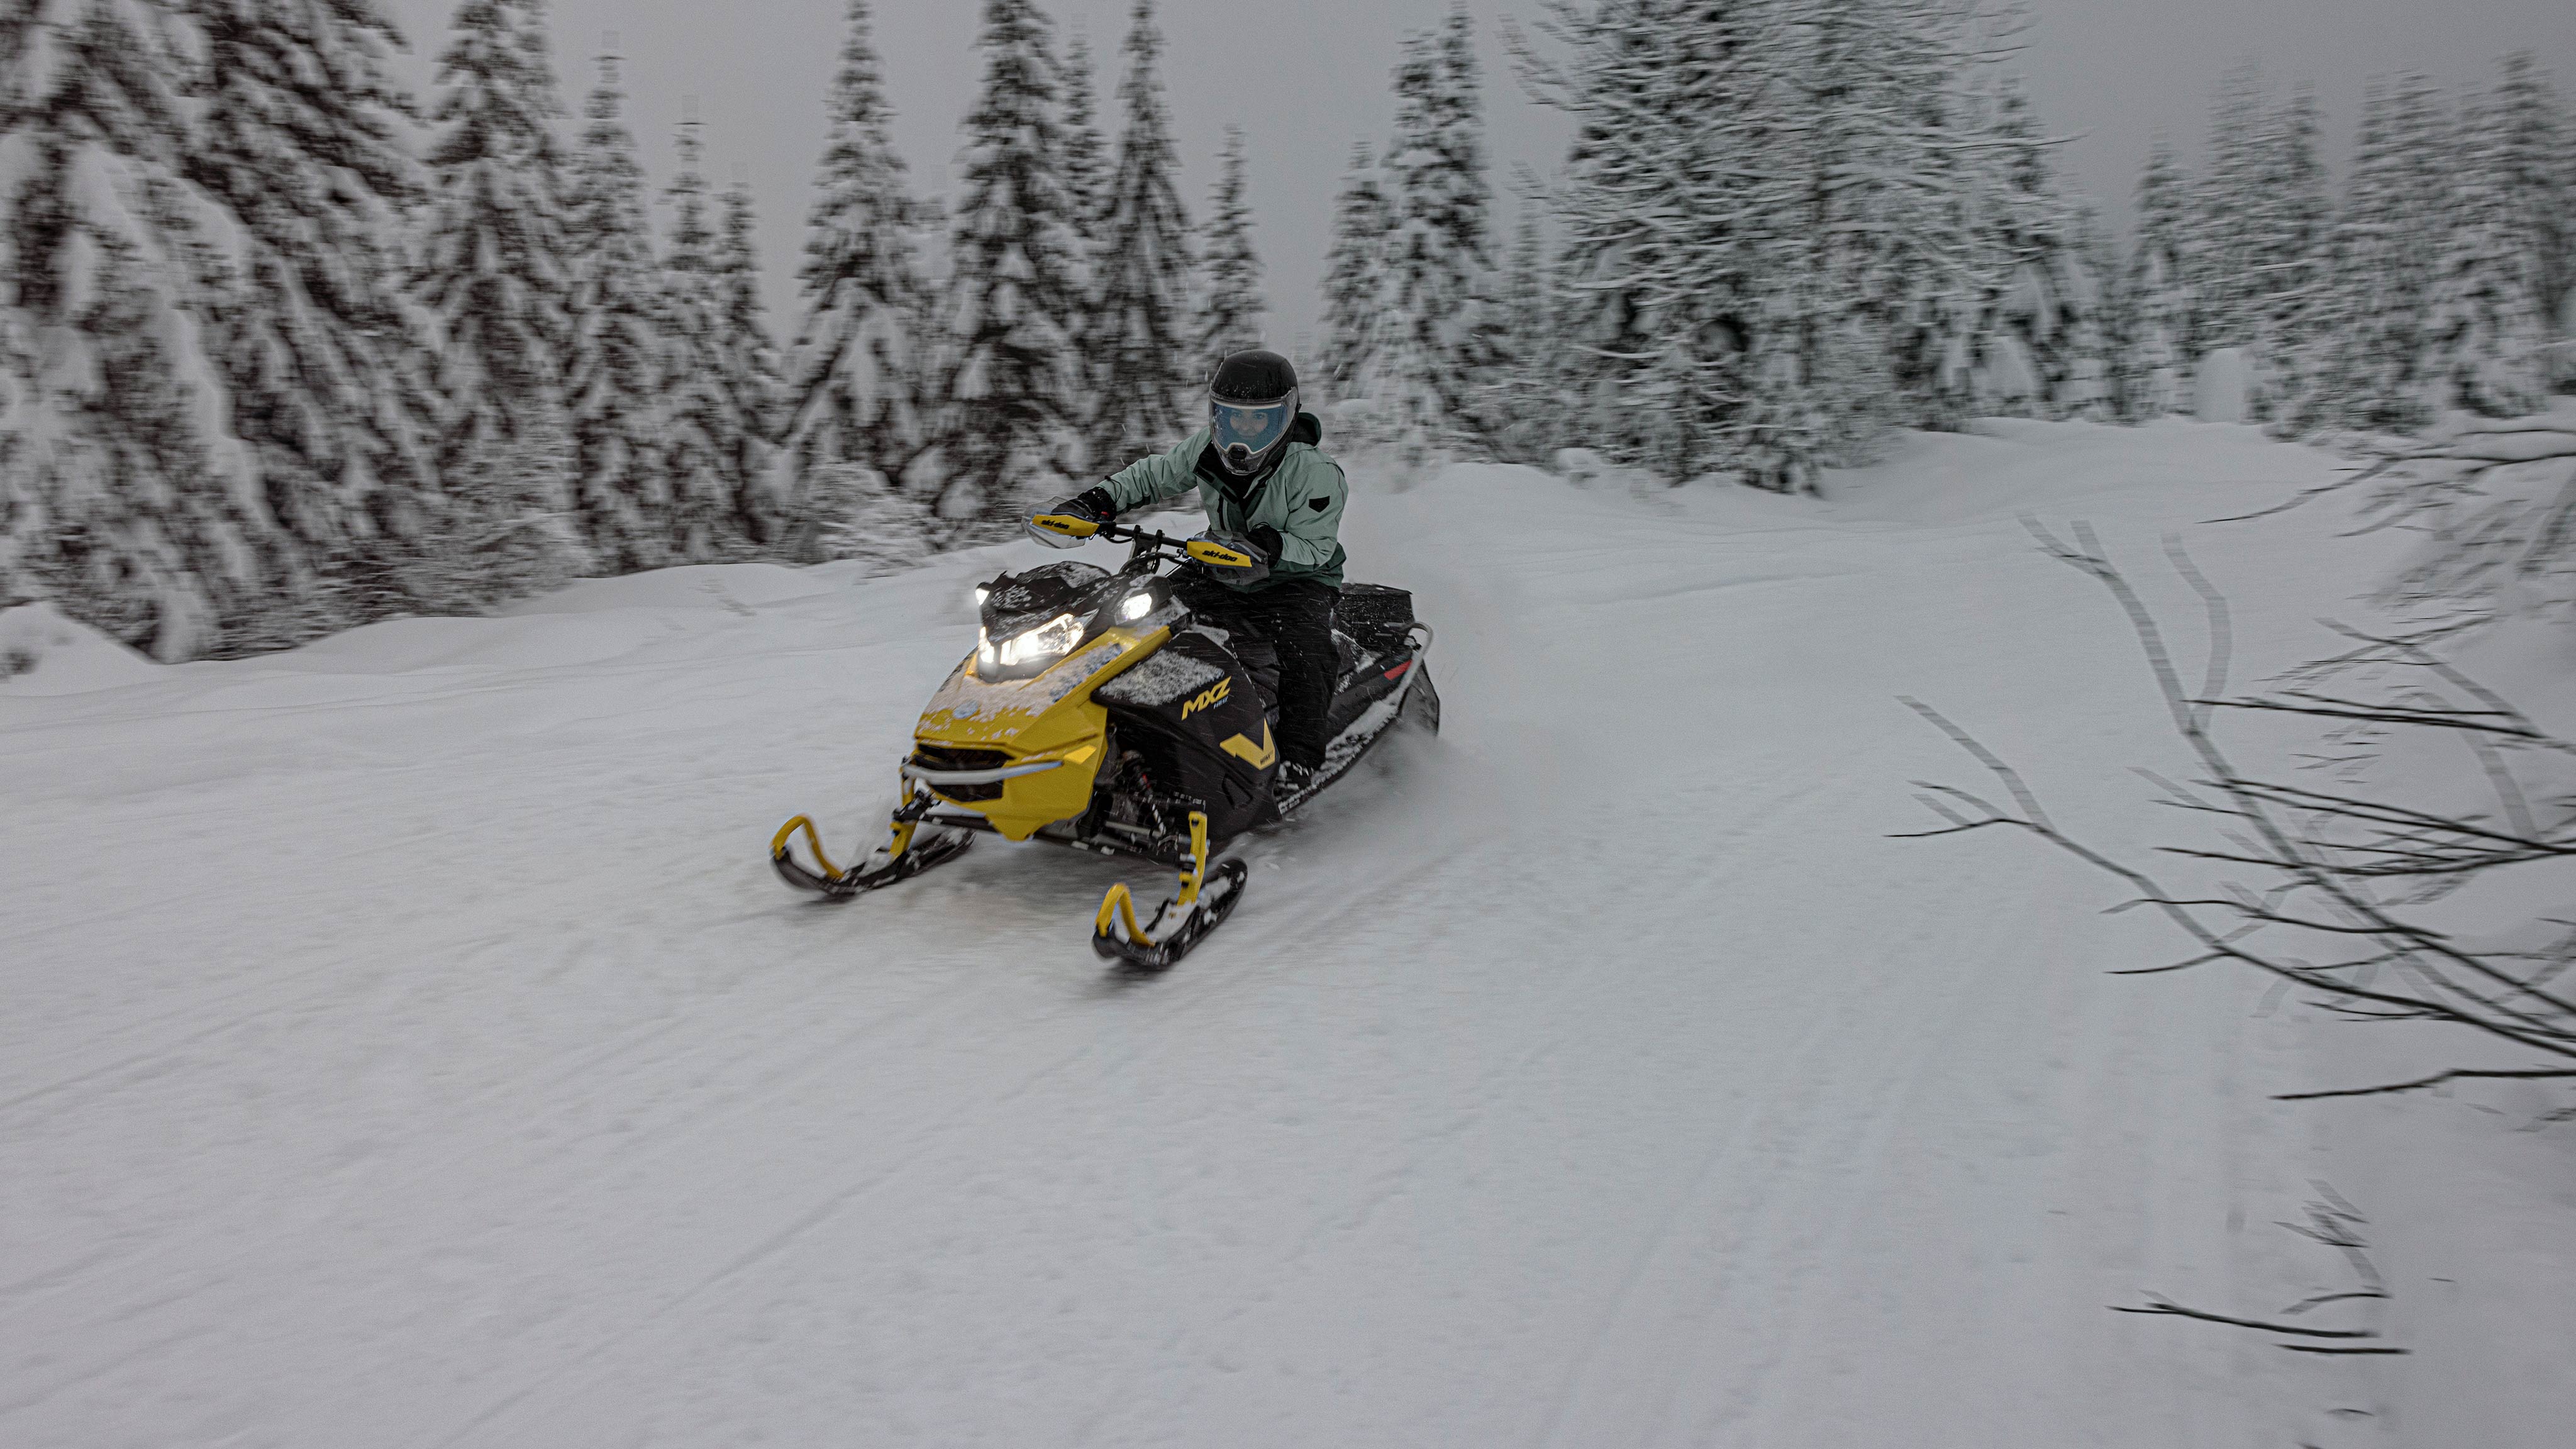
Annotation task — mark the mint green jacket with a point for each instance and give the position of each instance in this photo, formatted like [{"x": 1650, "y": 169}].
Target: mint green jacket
[{"x": 1302, "y": 498}]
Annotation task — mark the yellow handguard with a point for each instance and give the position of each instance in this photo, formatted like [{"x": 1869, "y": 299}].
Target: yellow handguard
[
  {"x": 1068, "y": 524},
  {"x": 1218, "y": 555}
]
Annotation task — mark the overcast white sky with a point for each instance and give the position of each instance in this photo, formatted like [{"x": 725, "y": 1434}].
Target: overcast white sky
[{"x": 1306, "y": 78}]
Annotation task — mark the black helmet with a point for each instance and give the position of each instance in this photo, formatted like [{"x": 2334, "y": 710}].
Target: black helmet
[{"x": 1251, "y": 401}]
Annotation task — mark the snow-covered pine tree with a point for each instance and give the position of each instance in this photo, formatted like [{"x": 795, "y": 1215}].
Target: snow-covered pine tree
[
  {"x": 1518, "y": 404},
  {"x": 492, "y": 279},
  {"x": 125, "y": 502},
  {"x": 2229, "y": 215},
  {"x": 1086, "y": 165},
  {"x": 752, "y": 383},
  {"x": 1411, "y": 377},
  {"x": 1141, "y": 315},
  {"x": 2101, "y": 256},
  {"x": 1921, "y": 180},
  {"x": 1824, "y": 279},
  {"x": 1427, "y": 352},
  {"x": 2294, "y": 231},
  {"x": 1477, "y": 332},
  {"x": 1692, "y": 281},
  {"x": 714, "y": 518},
  {"x": 1354, "y": 276},
  {"x": 857, "y": 364},
  {"x": 2483, "y": 330},
  {"x": 2536, "y": 154},
  {"x": 1615, "y": 86},
  {"x": 2422, "y": 138},
  {"x": 2158, "y": 293},
  {"x": 1458, "y": 203},
  {"x": 2046, "y": 353},
  {"x": 1464, "y": 201},
  {"x": 1086, "y": 182},
  {"x": 2364, "y": 358},
  {"x": 613, "y": 379},
  {"x": 1014, "y": 261},
  {"x": 1231, "y": 312},
  {"x": 299, "y": 143},
  {"x": 2361, "y": 343}
]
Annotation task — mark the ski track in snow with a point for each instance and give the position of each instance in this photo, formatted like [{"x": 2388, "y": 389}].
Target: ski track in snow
[{"x": 408, "y": 1045}]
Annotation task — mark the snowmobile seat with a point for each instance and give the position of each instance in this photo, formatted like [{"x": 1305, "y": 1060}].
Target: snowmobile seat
[{"x": 1377, "y": 616}]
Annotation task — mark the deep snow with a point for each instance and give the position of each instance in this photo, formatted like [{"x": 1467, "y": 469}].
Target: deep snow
[{"x": 406, "y": 1043}]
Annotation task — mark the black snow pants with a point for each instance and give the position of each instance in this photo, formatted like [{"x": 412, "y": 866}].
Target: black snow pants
[{"x": 1284, "y": 636}]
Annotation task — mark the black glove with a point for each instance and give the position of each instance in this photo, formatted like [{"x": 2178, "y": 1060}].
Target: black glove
[
  {"x": 1097, "y": 499},
  {"x": 1267, "y": 539}
]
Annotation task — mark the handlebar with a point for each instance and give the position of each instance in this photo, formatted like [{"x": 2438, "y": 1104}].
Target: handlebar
[
  {"x": 1148, "y": 544},
  {"x": 1117, "y": 532}
]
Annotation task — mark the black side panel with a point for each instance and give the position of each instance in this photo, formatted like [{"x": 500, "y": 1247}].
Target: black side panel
[
  {"x": 1184, "y": 738},
  {"x": 1373, "y": 684}
]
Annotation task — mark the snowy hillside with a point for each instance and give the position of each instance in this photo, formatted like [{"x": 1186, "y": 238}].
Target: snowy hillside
[{"x": 406, "y": 1043}]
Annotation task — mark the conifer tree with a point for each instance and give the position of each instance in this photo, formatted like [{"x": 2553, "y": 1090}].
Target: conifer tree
[
  {"x": 1354, "y": 276},
  {"x": 125, "y": 502},
  {"x": 2364, "y": 363},
  {"x": 1518, "y": 404},
  {"x": 1411, "y": 379},
  {"x": 613, "y": 380},
  {"x": 2158, "y": 291},
  {"x": 1462, "y": 205},
  {"x": 1616, "y": 86},
  {"x": 1439, "y": 245},
  {"x": 2226, "y": 238},
  {"x": 1086, "y": 169},
  {"x": 2536, "y": 158},
  {"x": 751, "y": 377},
  {"x": 856, "y": 373},
  {"x": 1086, "y": 184},
  {"x": 1140, "y": 321},
  {"x": 2413, "y": 209},
  {"x": 712, "y": 518},
  {"x": 298, "y": 143},
  {"x": 2296, "y": 222},
  {"x": 1011, "y": 299},
  {"x": 493, "y": 282},
  {"x": 1229, "y": 270},
  {"x": 2483, "y": 331},
  {"x": 2048, "y": 308}
]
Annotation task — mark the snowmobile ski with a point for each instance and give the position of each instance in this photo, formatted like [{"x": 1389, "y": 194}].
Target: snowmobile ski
[
  {"x": 1202, "y": 905},
  {"x": 910, "y": 852}
]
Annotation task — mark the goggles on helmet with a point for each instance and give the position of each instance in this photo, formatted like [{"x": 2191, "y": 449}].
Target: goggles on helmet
[{"x": 1244, "y": 432}]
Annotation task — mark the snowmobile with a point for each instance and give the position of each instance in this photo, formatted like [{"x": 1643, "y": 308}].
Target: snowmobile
[{"x": 1096, "y": 713}]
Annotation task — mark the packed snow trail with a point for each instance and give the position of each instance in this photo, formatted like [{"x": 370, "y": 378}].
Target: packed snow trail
[{"x": 408, "y": 1045}]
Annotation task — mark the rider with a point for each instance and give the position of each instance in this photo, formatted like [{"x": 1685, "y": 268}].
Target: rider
[{"x": 1272, "y": 495}]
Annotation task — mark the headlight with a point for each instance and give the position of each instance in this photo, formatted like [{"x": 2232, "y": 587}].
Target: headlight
[
  {"x": 1050, "y": 640},
  {"x": 1136, "y": 607},
  {"x": 981, "y": 594}
]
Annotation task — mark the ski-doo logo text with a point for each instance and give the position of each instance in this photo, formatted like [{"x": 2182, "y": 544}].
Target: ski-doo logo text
[{"x": 1214, "y": 695}]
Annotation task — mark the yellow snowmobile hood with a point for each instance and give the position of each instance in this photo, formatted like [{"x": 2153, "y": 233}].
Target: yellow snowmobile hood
[{"x": 1047, "y": 719}]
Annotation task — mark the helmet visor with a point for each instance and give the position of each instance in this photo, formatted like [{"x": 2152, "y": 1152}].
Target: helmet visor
[{"x": 1251, "y": 428}]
